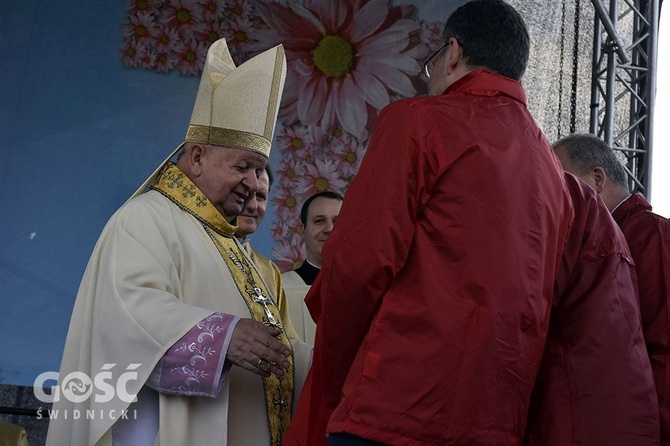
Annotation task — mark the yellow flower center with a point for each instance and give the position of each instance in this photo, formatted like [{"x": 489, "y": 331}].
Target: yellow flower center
[
  {"x": 290, "y": 202},
  {"x": 334, "y": 56},
  {"x": 212, "y": 7},
  {"x": 321, "y": 184},
  {"x": 414, "y": 37},
  {"x": 165, "y": 40},
  {"x": 237, "y": 10},
  {"x": 131, "y": 52},
  {"x": 142, "y": 4},
  {"x": 337, "y": 132},
  {"x": 297, "y": 143},
  {"x": 290, "y": 173},
  {"x": 240, "y": 36},
  {"x": 190, "y": 56},
  {"x": 183, "y": 15},
  {"x": 351, "y": 157},
  {"x": 141, "y": 31},
  {"x": 162, "y": 58},
  {"x": 213, "y": 37}
]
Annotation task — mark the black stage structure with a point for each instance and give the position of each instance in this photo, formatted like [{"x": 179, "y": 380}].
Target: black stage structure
[{"x": 625, "y": 54}]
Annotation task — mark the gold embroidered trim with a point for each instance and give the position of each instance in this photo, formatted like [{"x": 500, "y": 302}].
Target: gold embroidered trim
[
  {"x": 274, "y": 94},
  {"x": 176, "y": 186},
  {"x": 278, "y": 390},
  {"x": 237, "y": 139}
]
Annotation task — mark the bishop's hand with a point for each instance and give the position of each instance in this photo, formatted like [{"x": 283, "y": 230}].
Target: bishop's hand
[{"x": 253, "y": 347}]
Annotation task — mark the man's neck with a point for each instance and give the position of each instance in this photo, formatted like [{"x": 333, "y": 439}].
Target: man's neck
[{"x": 614, "y": 198}]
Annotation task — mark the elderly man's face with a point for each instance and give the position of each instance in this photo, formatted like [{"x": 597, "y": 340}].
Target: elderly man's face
[
  {"x": 229, "y": 177},
  {"x": 253, "y": 213}
]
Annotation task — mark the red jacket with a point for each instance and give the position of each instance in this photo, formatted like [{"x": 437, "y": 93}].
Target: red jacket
[
  {"x": 436, "y": 287},
  {"x": 595, "y": 386},
  {"x": 648, "y": 237}
]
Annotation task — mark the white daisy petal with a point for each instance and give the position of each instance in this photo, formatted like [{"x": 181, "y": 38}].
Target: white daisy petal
[
  {"x": 374, "y": 91},
  {"x": 351, "y": 110},
  {"x": 367, "y": 20}
]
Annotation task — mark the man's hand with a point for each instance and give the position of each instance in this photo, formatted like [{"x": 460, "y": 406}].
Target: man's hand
[{"x": 253, "y": 347}]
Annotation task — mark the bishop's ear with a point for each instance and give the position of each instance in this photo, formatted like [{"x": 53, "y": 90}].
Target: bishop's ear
[{"x": 195, "y": 155}]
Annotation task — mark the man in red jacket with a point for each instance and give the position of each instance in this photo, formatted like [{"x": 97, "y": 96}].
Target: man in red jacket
[
  {"x": 648, "y": 236},
  {"x": 595, "y": 385},
  {"x": 433, "y": 301}
]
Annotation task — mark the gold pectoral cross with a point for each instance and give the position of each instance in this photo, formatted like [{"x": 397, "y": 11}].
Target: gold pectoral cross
[{"x": 264, "y": 300}]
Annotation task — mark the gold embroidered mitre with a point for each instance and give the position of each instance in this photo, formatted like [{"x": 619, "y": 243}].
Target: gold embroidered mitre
[{"x": 237, "y": 107}]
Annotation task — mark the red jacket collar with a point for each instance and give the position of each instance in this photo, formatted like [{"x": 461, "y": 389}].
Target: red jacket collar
[
  {"x": 481, "y": 82},
  {"x": 634, "y": 203}
]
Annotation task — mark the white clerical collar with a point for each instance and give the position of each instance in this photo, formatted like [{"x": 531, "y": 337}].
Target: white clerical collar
[
  {"x": 620, "y": 203},
  {"x": 317, "y": 267}
]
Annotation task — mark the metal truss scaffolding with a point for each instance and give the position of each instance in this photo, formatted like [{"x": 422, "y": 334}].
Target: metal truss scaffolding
[{"x": 624, "y": 82}]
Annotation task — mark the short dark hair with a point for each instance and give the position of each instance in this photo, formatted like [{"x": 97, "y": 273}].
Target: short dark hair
[
  {"x": 492, "y": 35},
  {"x": 326, "y": 194},
  {"x": 587, "y": 151}
]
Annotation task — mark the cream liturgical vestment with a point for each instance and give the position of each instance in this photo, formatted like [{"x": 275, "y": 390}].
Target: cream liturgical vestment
[
  {"x": 165, "y": 261},
  {"x": 296, "y": 290}
]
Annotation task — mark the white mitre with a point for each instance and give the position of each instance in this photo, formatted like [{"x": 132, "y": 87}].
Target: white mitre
[{"x": 236, "y": 106}]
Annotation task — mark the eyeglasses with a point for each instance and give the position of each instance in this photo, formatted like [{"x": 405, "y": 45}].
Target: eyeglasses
[{"x": 428, "y": 64}]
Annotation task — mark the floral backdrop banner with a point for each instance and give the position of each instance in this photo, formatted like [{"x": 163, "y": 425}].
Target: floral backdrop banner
[{"x": 347, "y": 59}]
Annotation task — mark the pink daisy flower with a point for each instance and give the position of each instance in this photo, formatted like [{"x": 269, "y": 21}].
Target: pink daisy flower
[
  {"x": 167, "y": 40},
  {"x": 211, "y": 10},
  {"x": 293, "y": 139},
  {"x": 165, "y": 62},
  {"x": 208, "y": 32},
  {"x": 294, "y": 227},
  {"x": 237, "y": 31},
  {"x": 349, "y": 153},
  {"x": 288, "y": 254},
  {"x": 140, "y": 26},
  {"x": 431, "y": 33},
  {"x": 182, "y": 15},
  {"x": 133, "y": 52},
  {"x": 285, "y": 228},
  {"x": 145, "y": 5},
  {"x": 321, "y": 176},
  {"x": 286, "y": 201},
  {"x": 191, "y": 57},
  {"x": 237, "y": 9},
  {"x": 148, "y": 60},
  {"x": 289, "y": 169},
  {"x": 344, "y": 59},
  {"x": 279, "y": 229}
]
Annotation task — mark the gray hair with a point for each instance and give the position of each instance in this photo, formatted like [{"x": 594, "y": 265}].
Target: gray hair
[{"x": 587, "y": 151}]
